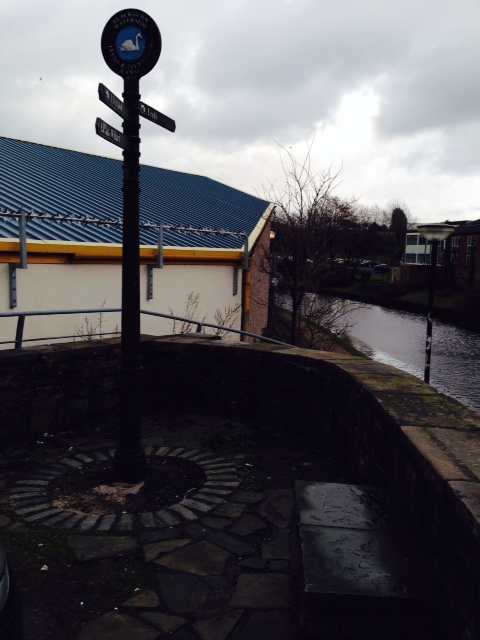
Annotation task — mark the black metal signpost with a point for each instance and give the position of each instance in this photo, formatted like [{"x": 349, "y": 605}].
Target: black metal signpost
[{"x": 131, "y": 45}]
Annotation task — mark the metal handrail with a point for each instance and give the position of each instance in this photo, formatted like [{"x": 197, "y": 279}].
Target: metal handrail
[{"x": 21, "y": 315}]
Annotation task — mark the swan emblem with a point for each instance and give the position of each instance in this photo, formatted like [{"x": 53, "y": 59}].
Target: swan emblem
[{"x": 129, "y": 45}]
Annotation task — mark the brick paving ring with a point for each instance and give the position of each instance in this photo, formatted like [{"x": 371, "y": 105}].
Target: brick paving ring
[{"x": 30, "y": 496}]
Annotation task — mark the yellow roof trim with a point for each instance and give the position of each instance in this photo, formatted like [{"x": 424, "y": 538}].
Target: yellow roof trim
[{"x": 112, "y": 251}]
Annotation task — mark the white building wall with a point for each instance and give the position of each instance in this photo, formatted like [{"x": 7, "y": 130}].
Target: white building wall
[
  {"x": 43, "y": 287},
  {"x": 417, "y": 250}
]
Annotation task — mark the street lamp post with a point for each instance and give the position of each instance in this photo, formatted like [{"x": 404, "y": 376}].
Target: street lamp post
[{"x": 434, "y": 233}]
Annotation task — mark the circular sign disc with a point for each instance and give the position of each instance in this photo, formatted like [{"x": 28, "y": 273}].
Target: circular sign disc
[{"x": 131, "y": 43}]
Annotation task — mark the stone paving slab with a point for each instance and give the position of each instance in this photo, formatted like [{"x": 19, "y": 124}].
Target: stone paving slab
[
  {"x": 247, "y": 525},
  {"x": 96, "y": 547},
  {"x": 359, "y": 556},
  {"x": 201, "y": 558},
  {"x": 146, "y": 600},
  {"x": 262, "y": 591},
  {"x": 278, "y": 547},
  {"x": 154, "y": 549},
  {"x": 230, "y": 510},
  {"x": 117, "y": 626},
  {"x": 162, "y": 621},
  {"x": 268, "y": 625},
  {"x": 278, "y": 508},
  {"x": 218, "y": 628},
  {"x": 231, "y": 543},
  {"x": 183, "y": 593},
  {"x": 331, "y": 504},
  {"x": 372, "y": 564},
  {"x": 216, "y": 522}
]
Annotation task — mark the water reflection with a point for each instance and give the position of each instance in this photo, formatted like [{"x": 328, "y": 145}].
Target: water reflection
[{"x": 398, "y": 338}]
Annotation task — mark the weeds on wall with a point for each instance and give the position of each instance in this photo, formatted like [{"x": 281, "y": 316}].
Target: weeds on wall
[
  {"x": 225, "y": 317},
  {"x": 94, "y": 329},
  {"x": 191, "y": 315}
]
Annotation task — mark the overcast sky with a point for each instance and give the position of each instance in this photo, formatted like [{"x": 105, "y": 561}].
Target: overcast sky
[{"x": 390, "y": 90}]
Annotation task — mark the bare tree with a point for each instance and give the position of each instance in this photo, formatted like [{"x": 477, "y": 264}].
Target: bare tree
[
  {"x": 323, "y": 316},
  {"x": 308, "y": 223},
  {"x": 191, "y": 315},
  {"x": 226, "y": 317},
  {"x": 92, "y": 329}
]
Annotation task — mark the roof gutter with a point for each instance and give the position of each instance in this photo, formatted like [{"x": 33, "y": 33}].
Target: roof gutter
[{"x": 58, "y": 251}]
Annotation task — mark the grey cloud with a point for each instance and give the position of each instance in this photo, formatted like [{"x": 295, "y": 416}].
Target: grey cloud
[
  {"x": 435, "y": 84},
  {"x": 238, "y": 74}
]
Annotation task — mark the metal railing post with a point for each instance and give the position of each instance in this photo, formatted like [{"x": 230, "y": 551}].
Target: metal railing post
[{"x": 19, "y": 332}]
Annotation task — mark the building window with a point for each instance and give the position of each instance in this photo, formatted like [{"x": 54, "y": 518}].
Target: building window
[
  {"x": 471, "y": 247},
  {"x": 410, "y": 258},
  {"x": 412, "y": 238},
  {"x": 454, "y": 250}
]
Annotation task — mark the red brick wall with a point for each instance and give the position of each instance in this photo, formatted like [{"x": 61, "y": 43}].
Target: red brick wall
[
  {"x": 467, "y": 275},
  {"x": 259, "y": 283}
]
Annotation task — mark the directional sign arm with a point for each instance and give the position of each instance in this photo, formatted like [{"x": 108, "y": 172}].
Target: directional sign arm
[
  {"x": 115, "y": 104},
  {"x": 107, "y": 132},
  {"x": 111, "y": 100},
  {"x": 158, "y": 118}
]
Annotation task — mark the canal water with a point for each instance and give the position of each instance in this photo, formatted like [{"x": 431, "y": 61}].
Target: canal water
[{"x": 397, "y": 338}]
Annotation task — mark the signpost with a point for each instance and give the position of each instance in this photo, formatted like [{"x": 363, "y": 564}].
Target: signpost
[{"x": 131, "y": 45}]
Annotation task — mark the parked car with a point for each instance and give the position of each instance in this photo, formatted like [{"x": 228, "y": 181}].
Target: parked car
[
  {"x": 381, "y": 268},
  {"x": 10, "y": 618}
]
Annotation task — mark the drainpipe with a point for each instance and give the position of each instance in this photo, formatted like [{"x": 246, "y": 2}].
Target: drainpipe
[
  {"x": 245, "y": 320},
  {"x": 246, "y": 281}
]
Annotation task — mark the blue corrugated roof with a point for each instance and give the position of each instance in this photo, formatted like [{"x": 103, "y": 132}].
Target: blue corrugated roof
[{"x": 57, "y": 181}]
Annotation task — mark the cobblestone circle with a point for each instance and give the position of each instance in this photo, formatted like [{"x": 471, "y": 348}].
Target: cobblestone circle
[{"x": 29, "y": 495}]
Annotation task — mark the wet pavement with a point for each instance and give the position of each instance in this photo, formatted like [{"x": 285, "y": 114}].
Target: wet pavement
[
  {"x": 219, "y": 561},
  {"x": 225, "y": 562},
  {"x": 367, "y": 573}
]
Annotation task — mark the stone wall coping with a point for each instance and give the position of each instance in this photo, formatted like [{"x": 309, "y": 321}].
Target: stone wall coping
[{"x": 440, "y": 436}]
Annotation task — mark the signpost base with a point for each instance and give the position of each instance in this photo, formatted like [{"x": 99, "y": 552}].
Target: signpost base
[{"x": 129, "y": 467}]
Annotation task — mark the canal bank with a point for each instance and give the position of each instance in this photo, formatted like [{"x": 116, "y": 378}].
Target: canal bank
[
  {"x": 456, "y": 308},
  {"x": 397, "y": 338}
]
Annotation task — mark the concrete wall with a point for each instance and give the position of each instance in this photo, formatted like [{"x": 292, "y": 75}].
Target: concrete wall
[
  {"x": 424, "y": 445},
  {"x": 83, "y": 286}
]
